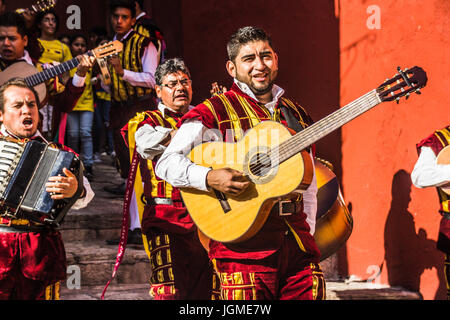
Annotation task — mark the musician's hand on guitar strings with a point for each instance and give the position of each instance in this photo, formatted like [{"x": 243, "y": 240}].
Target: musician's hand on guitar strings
[
  {"x": 228, "y": 181},
  {"x": 86, "y": 62},
  {"x": 61, "y": 187}
]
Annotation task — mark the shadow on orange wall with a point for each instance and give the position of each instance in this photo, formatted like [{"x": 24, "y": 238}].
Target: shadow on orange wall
[{"x": 407, "y": 253}]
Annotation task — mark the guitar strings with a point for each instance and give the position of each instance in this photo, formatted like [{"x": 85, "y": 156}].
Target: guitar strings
[
  {"x": 288, "y": 148},
  {"x": 46, "y": 74},
  {"x": 333, "y": 121},
  {"x": 316, "y": 131}
]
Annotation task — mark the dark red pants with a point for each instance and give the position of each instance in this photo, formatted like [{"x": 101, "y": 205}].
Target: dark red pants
[
  {"x": 19, "y": 287},
  {"x": 181, "y": 269},
  {"x": 447, "y": 274},
  {"x": 30, "y": 263},
  {"x": 288, "y": 274}
]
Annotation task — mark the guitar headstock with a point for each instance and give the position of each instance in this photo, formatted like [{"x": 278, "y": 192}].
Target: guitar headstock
[
  {"x": 43, "y": 5},
  {"x": 108, "y": 49},
  {"x": 402, "y": 84}
]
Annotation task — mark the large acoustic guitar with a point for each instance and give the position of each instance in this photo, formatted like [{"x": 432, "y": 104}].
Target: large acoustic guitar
[
  {"x": 334, "y": 222},
  {"x": 444, "y": 158},
  {"x": 36, "y": 79},
  {"x": 276, "y": 162}
]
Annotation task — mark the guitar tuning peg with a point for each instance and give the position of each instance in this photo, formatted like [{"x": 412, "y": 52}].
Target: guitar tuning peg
[
  {"x": 407, "y": 96},
  {"x": 397, "y": 100},
  {"x": 418, "y": 91}
]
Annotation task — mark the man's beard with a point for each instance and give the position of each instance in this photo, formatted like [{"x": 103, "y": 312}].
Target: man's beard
[{"x": 261, "y": 91}]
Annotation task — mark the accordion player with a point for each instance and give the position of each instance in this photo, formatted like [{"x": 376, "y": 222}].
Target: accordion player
[{"x": 25, "y": 168}]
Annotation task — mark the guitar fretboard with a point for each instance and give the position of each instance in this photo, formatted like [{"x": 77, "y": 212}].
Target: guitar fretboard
[
  {"x": 323, "y": 127},
  {"x": 49, "y": 73}
]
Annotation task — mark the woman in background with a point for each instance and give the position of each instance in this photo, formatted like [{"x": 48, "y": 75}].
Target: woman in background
[{"x": 79, "y": 121}]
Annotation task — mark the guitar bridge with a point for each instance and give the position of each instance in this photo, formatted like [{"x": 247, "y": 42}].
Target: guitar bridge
[{"x": 223, "y": 201}]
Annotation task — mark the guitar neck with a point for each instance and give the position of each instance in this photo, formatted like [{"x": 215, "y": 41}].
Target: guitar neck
[
  {"x": 323, "y": 127},
  {"x": 49, "y": 73}
]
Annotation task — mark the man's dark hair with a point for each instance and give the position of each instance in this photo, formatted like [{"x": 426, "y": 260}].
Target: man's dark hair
[
  {"x": 113, "y": 4},
  {"x": 15, "y": 82},
  {"x": 242, "y": 37},
  {"x": 40, "y": 16},
  {"x": 13, "y": 19},
  {"x": 140, "y": 3},
  {"x": 170, "y": 66}
]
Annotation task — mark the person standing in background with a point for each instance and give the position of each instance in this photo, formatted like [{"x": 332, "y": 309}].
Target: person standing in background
[
  {"x": 80, "y": 119},
  {"x": 53, "y": 52},
  {"x": 147, "y": 27}
]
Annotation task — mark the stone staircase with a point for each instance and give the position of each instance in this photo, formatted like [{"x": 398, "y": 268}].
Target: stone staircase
[{"x": 91, "y": 260}]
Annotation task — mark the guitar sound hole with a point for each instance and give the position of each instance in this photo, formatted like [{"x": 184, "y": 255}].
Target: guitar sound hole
[{"x": 260, "y": 164}]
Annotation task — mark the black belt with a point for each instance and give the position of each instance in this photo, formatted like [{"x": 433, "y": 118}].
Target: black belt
[
  {"x": 286, "y": 207},
  {"x": 22, "y": 229}
]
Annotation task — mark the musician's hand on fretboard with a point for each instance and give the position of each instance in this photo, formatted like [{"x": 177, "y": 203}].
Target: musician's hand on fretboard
[
  {"x": 86, "y": 62},
  {"x": 61, "y": 187}
]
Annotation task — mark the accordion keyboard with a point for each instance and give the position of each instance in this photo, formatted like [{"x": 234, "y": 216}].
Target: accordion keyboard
[{"x": 10, "y": 153}]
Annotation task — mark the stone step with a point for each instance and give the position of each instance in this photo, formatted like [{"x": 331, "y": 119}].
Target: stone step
[
  {"x": 101, "y": 219},
  {"x": 92, "y": 263},
  {"x": 367, "y": 291},
  {"x": 335, "y": 291},
  {"x": 114, "y": 292}
]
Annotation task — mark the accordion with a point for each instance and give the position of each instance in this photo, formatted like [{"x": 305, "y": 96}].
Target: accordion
[{"x": 25, "y": 168}]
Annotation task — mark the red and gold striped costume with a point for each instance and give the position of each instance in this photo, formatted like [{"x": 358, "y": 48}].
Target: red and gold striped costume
[
  {"x": 169, "y": 234},
  {"x": 131, "y": 59},
  {"x": 32, "y": 264},
  {"x": 437, "y": 141},
  {"x": 146, "y": 27},
  {"x": 281, "y": 238}
]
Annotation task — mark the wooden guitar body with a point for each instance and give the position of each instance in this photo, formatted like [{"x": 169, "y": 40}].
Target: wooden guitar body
[
  {"x": 444, "y": 158},
  {"x": 237, "y": 218},
  {"x": 334, "y": 223}
]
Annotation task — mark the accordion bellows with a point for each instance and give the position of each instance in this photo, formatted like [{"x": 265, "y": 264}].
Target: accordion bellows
[{"x": 25, "y": 168}]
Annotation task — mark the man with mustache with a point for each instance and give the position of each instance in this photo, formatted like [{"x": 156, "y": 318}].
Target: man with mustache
[
  {"x": 181, "y": 268},
  {"x": 32, "y": 254},
  {"x": 281, "y": 260}
]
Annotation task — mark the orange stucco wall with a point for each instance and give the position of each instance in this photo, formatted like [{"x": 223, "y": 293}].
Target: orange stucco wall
[{"x": 395, "y": 224}]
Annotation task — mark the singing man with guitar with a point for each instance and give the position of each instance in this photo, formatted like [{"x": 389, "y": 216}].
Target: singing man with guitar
[
  {"x": 280, "y": 261},
  {"x": 432, "y": 169}
]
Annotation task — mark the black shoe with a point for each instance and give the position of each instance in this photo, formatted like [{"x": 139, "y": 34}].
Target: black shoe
[
  {"x": 117, "y": 190},
  {"x": 88, "y": 173},
  {"x": 134, "y": 237}
]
